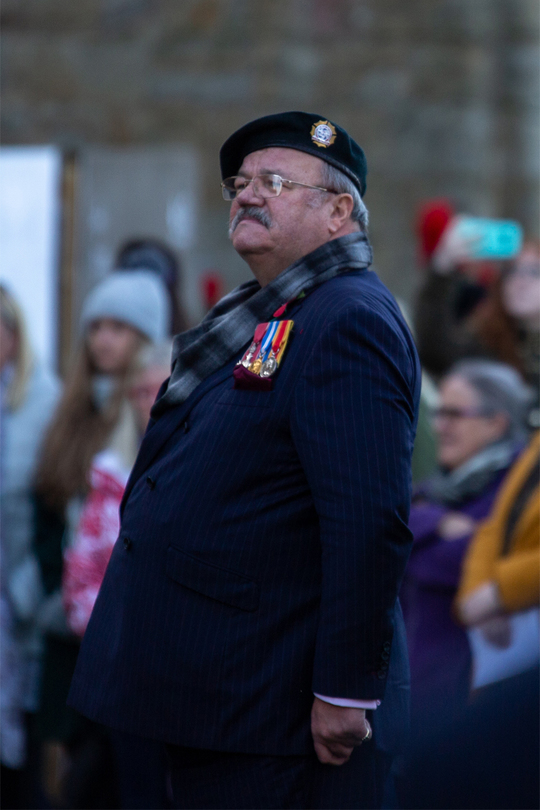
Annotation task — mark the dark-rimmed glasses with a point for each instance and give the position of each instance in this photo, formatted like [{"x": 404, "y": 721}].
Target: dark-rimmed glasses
[
  {"x": 457, "y": 413},
  {"x": 264, "y": 185}
]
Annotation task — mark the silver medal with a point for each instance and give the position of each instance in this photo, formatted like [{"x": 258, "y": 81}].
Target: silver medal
[{"x": 269, "y": 367}]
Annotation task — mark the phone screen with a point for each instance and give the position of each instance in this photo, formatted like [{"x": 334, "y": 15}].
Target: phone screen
[{"x": 490, "y": 238}]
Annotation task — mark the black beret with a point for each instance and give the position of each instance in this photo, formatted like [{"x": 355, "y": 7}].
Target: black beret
[{"x": 303, "y": 131}]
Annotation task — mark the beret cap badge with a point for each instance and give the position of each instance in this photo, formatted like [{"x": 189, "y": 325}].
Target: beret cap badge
[{"x": 323, "y": 133}]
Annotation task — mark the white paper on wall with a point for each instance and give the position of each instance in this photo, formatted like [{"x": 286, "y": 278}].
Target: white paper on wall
[{"x": 30, "y": 178}]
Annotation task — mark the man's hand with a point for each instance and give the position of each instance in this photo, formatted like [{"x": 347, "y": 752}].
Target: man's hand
[{"x": 336, "y": 730}]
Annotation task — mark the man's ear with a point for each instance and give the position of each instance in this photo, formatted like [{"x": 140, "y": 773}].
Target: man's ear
[{"x": 342, "y": 207}]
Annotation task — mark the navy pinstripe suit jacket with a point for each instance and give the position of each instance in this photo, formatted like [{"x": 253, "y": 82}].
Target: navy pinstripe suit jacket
[{"x": 263, "y": 540}]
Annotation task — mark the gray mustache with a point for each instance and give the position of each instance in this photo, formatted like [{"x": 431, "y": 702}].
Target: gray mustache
[{"x": 251, "y": 212}]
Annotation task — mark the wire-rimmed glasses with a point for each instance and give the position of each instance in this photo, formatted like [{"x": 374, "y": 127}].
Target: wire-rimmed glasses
[{"x": 264, "y": 185}]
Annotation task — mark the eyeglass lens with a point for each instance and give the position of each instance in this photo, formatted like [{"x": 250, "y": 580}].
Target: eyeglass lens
[
  {"x": 455, "y": 413},
  {"x": 264, "y": 185}
]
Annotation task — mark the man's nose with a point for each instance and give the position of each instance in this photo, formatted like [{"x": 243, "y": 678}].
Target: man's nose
[{"x": 248, "y": 196}]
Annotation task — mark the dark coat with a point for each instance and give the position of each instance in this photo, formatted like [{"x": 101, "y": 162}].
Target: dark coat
[{"x": 263, "y": 540}]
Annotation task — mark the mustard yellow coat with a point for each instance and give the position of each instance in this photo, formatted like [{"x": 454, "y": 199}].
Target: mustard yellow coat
[{"x": 517, "y": 573}]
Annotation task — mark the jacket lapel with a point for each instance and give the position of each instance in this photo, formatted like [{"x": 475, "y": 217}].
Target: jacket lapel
[{"x": 162, "y": 429}]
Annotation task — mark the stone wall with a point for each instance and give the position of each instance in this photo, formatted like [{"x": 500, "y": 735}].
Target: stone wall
[{"x": 442, "y": 94}]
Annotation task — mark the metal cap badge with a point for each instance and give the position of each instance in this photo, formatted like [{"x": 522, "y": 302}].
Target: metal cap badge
[{"x": 323, "y": 133}]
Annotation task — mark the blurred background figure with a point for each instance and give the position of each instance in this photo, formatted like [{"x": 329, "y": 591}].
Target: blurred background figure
[
  {"x": 141, "y": 763},
  {"x": 122, "y": 314},
  {"x": 97, "y": 530},
  {"x": 487, "y": 758},
  {"x": 152, "y": 367},
  {"x": 488, "y": 755},
  {"x": 28, "y": 396},
  {"x": 499, "y": 592},
  {"x": 471, "y": 308},
  {"x": 480, "y": 429},
  {"x": 424, "y": 459},
  {"x": 154, "y": 256},
  {"x": 211, "y": 289}
]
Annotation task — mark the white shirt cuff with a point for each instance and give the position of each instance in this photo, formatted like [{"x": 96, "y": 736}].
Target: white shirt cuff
[{"x": 349, "y": 703}]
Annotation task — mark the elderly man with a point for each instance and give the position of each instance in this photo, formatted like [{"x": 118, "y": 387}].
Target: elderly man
[{"x": 249, "y": 614}]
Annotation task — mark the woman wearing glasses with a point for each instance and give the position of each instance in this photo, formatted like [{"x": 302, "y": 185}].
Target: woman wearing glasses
[{"x": 480, "y": 428}]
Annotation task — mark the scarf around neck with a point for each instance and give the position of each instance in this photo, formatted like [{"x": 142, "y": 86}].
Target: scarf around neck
[
  {"x": 473, "y": 476},
  {"x": 230, "y": 325}
]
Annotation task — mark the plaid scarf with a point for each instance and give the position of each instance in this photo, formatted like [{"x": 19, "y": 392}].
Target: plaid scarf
[{"x": 230, "y": 325}]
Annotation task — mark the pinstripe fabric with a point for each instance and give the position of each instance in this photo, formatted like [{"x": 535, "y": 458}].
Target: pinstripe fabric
[
  {"x": 209, "y": 779},
  {"x": 263, "y": 540}
]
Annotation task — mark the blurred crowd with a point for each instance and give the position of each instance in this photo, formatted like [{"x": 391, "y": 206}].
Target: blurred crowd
[
  {"x": 471, "y": 592},
  {"x": 66, "y": 457}
]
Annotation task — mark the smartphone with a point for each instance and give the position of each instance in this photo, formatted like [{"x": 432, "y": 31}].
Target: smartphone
[{"x": 490, "y": 238}]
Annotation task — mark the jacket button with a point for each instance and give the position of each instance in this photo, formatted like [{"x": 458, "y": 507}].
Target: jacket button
[
  {"x": 381, "y": 674},
  {"x": 127, "y": 543},
  {"x": 150, "y": 481},
  {"x": 386, "y": 646},
  {"x": 385, "y": 655}
]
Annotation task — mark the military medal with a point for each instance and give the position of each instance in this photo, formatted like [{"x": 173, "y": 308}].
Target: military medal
[
  {"x": 264, "y": 355},
  {"x": 279, "y": 341},
  {"x": 269, "y": 366},
  {"x": 253, "y": 349}
]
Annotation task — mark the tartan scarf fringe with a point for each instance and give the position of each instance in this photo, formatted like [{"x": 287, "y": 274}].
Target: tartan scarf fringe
[{"x": 230, "y": 325}]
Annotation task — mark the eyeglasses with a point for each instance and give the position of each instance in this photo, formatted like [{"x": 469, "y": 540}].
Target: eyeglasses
[
  {"x": 457, "y": 413},
  {"x": 264, "y": 185}
]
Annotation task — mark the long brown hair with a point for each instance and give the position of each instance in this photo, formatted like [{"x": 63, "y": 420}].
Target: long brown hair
[
  {"x": 498, "y": 331},
  {"x": 501, "y": 333},
  {"x": 78, "y": 431}
]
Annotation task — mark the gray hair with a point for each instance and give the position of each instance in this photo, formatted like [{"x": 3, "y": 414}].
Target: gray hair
[
  {"x": 338, "y": 181},
  {"x": 500, "y": 389}
]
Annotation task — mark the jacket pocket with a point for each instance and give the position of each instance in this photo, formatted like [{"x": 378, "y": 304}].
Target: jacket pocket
[{"x": 217, "y": 583}]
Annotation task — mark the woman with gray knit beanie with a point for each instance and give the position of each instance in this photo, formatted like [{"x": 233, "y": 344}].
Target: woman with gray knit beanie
[{"x": 120, "y": 315}]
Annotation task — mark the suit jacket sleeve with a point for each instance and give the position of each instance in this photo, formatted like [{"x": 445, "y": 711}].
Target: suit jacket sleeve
[{"x": 353, "y": 422}]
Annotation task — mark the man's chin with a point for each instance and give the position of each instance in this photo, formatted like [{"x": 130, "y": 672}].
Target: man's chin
[{"x": 245, "y": 245}]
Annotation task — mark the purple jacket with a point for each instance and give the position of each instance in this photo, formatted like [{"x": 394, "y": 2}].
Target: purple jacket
[{"x": 438, "y": 647}]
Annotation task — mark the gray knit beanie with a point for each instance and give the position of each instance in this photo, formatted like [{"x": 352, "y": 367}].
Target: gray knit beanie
[{"x": 137, "y": 297}]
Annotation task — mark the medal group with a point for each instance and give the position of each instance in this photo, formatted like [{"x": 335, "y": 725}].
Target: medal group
[{"x": 267, "y": 348}]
